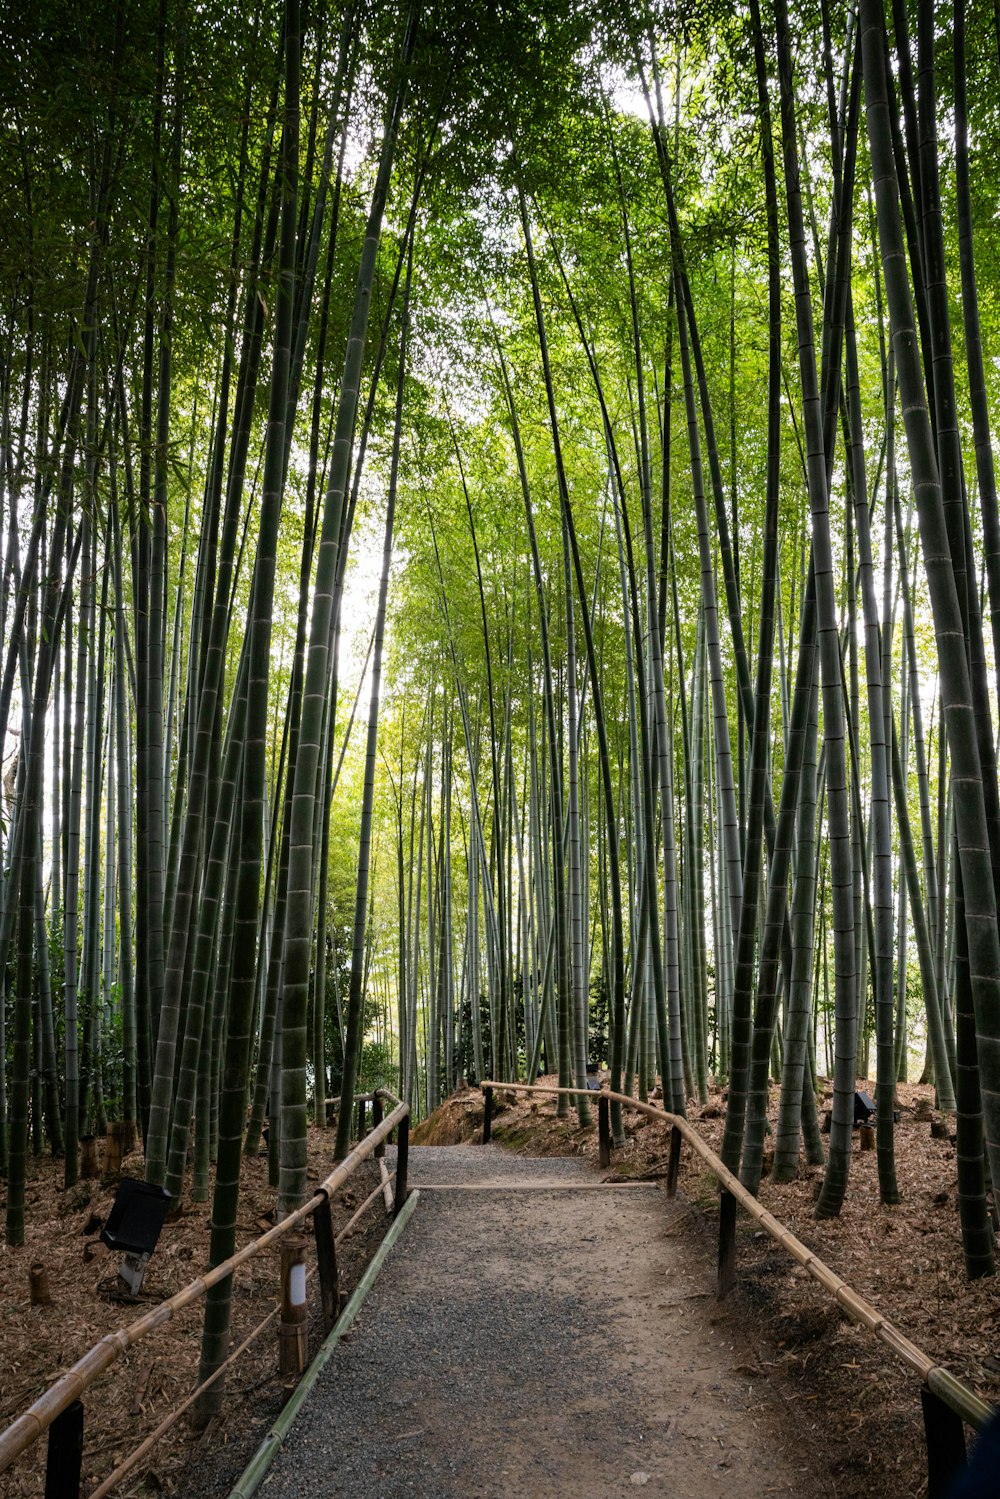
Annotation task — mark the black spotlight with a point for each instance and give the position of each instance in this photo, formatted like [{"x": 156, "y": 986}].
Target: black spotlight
[{"x": 134, "y": 1225}]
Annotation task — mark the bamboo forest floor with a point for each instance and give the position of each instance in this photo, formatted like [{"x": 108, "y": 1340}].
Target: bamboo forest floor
[
  {"x": 530, "y": 1336},
  {"x": 38, "y": 1342},
  {"x": 559, "y": 1342}
]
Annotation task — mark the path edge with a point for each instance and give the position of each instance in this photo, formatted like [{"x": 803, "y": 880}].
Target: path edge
[{"x": 258, "y": 1466}]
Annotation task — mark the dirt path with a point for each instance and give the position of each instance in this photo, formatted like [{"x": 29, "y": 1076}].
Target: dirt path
[{"x": 543, "y": 1343}]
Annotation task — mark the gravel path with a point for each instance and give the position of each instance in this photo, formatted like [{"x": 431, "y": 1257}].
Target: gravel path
[
  {"x": 489, "y": 1165},
  {"x": 556, "y": 1343}
]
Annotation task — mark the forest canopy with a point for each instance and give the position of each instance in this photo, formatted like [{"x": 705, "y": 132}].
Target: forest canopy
[{"x": 500, "y": 571}]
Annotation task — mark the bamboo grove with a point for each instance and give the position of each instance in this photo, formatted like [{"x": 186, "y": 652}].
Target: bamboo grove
[{"x": 500, "y": 570}]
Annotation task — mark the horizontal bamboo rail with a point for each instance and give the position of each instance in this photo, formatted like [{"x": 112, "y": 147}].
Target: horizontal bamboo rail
[
  {"x": 39, "y": 1416},
  {"x": 940, "y": 1381},
  {"x": 135, "y": 1457},
  {"x": 132, "y": 1461},
  {"x": 372, "y": 1195}
]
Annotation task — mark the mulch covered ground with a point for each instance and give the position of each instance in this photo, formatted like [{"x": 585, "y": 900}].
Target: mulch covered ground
[
  {"x": 38, "y": 1342},
  {"x": 848, "y": 1395}
]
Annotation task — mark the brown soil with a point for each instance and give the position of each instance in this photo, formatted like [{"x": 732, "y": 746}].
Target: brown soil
[
  {"x": 37, "y": 1343},
  {"x": 852, "y": 1396}
]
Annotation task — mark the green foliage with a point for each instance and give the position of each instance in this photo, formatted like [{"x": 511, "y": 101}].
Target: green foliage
[{"x": 175, "y": 111}]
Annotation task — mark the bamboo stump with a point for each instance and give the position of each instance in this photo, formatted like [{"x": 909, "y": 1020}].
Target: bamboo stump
[
  {"x": 38, "y": 1280},
  {"x": 114, "y": 1149},
  {"x": 89, "y": 1163}
]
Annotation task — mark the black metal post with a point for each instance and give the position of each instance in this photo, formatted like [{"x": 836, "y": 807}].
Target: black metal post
[
  {"x": 326, "y": 1261},
  {"x": 674, "y": 1163},
  {"x": 487, "y": 1114},
  {"x": 376, "y": 1121},
  {"x": 945, "y": 1434},
  {"x": 604, "y": 1129},
  {"x": 727, "y": 1243},
  {"x": 402, "y": 1164},
  {"x": 65, "y": 1455}
]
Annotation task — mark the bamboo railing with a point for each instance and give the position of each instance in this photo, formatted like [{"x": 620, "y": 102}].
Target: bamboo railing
[
  {"x": 947, "y": 1402},
  {"x": 72, "y": 1385}
]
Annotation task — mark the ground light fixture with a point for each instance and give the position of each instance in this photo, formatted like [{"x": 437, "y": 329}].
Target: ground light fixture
[{"x": 134, "y": 1225}]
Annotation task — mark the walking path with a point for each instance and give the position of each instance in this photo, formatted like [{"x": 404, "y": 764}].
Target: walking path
[{"x": 551, "y": 1343}]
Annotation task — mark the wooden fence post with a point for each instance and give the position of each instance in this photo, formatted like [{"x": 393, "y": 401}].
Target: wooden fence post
[
  {"x": 674, "y": 1163},
  {"x": 362, "y": 1106},
  {"x": 376, "y": 1121},
  {"x": 487, "y": 1114},
  {"x": 604, "y": 1129},
  {"x": 292, "y": 1332},
  {"x": 945, "y": 1434},
  {"x": 65, "y": 1455},
  {"x": 727, "y": 1243},
  {"x": 326, "y": 1260},
  {"x": 402, "y": 1163}
]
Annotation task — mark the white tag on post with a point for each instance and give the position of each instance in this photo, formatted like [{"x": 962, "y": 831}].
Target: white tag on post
[{"x": 297, "y": 1285}]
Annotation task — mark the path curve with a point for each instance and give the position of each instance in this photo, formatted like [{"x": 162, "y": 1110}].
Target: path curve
[{"x": 554, "y": 1344}]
